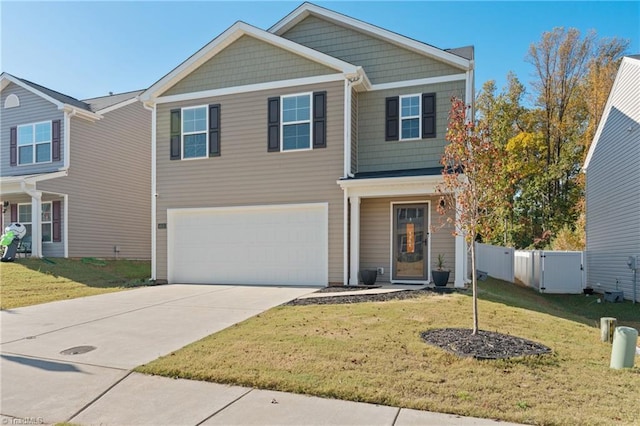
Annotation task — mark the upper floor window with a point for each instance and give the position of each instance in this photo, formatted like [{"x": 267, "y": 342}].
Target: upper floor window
[
  {"x": 34, "y": 143},
  {"x": 410, "y": 117},
  {"x": 296, "y": 122},
  {"x": 195, "y": 132}
]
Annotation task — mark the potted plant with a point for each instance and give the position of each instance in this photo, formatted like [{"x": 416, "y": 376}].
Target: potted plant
[
  {"x": 369, "y": 276},
  {"x": 440, "y": 275}
]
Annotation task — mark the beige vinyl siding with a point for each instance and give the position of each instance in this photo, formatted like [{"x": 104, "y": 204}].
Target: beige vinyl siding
[
  {"x": 613, "y": 191},
  {"x": 382, "y": 61},
  {"x": 246, "y": 174},
  {"x": 109, "y": 185},
  {"x": 32, "y": 109},
  {"x": 248, "y": 61},
  {"x": 354, "y": 131},
  {"x": 376, "y": 154},
  {"x": 375, "y": 234}
]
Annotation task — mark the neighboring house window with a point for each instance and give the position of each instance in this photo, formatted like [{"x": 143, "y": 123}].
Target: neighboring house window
[
  {"x": 46, "y": 220},
  {"x": 410, "y": 117},
  {"x": 34, "y": 143},
  {"x": 195, "y": 132},
  {"x": 297, "y": 122}
]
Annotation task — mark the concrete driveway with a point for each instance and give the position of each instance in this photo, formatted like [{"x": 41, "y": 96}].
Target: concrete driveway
[{"x": 41, "y": 384}]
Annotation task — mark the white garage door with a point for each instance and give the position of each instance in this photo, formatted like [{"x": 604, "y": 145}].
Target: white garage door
[{"x": 270, "y": 245}]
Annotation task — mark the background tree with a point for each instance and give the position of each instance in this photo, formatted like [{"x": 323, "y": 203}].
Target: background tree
[
  {"x": 468, "y": 186},
  {"x": 543, "y": 144}
]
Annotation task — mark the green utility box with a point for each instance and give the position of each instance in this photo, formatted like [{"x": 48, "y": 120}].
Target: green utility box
[{"x": 623, "y": 350}]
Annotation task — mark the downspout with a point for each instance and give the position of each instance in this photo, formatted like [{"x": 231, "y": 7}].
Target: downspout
[{"x": 154, "y": 194}]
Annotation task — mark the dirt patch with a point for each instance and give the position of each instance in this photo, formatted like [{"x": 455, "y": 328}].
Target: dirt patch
[{"x": 483, "y": 345}]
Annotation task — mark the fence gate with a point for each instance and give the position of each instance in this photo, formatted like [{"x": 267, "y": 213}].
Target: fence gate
[{"x": 562, "y": 272}]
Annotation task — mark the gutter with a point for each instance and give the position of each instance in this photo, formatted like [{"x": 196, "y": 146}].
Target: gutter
[{"x": 154, "y": 195}]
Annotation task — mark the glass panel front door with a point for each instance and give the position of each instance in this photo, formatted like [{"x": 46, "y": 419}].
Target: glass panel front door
[{"x": 410, "y": 242}]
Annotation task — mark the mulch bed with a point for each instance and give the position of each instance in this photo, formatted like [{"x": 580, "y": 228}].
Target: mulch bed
[
  {"x": 484, "y": 345},
  {"x": 460, "y": 341},
  {"x": 359, "y": 298}
]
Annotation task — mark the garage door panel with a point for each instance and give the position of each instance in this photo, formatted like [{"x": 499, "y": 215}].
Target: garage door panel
[{"x": 277, "y": 245}]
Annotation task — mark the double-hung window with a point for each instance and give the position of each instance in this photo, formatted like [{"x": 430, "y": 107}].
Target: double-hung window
[
  {"x": 24, "y": 217},
  {"x": 296, "y": 122},
  {"x": 194, "y": 132},
  {"x": 410, "y": 117},
  {"x": 34, "y": 143}
]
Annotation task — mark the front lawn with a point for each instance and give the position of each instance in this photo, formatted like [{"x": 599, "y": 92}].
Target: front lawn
[
  {"x": 372, "y": 352},
  {"x": 33, "y": 281}
]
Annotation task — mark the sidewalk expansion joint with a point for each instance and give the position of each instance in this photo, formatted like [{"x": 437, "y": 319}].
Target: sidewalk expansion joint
[
  {"x": 94, "y": 400},
  {"x": 225, "y": 407}
]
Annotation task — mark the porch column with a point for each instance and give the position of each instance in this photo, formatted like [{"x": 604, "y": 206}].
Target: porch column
[
  {"x": 36, "y": 227},
  {"x": 354, "y": 240},
  {"x": 461, "y": 253}
]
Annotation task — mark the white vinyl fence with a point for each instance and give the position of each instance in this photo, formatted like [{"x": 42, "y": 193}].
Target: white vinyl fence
[
  {"x": 495, "y": 261},
  {"x": 546, "y": 271}
]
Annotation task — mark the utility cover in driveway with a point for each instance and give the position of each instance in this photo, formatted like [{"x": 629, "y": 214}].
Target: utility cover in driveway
[{"x": 268, "y": 245}]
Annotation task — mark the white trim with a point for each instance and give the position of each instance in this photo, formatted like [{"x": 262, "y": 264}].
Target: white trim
[
  {"x": 345, "y": 237},
  {"x": 608, "y": 106},
  {"x": 228, "y": 37},
  {"x": 388, "y": 187},
  {"x": 154, "y": 194},
  {"x": 66, "y": 139},
  {"x": 11, "y": 101},
  {"x": 392, "y": 240},
  {"x": 307, "y": 9},
  {"x": 117, "y": 106},
  {"x": 355, "y": 239},
  {"x": 419, "y": 82},
  {"x": 5, "y": 78},
  {"x": 328, "y": 78}
]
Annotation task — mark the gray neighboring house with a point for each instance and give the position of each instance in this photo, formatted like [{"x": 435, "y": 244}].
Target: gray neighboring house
[
  {"x": 612, "y": 170},
  {"x": 76, "y": 173},
  {"x": 304, "y": 154}
]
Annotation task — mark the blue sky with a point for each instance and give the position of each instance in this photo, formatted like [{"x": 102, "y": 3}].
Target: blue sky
[{"x": 86, "y": 49}]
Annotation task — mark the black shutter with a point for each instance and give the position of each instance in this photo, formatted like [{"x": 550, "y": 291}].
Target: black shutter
[
  {"x": 55, "y": 140},
  {"x": 320, "y": 120},
  {"x": 176, "y": 135},
  {"x": 273, "y": 124},
  {"x": 392, "y": 119},
  {"x": 14, "y": 213},
  {"x": 214, "y": 130},
  {"x": 13, "y": 146},
  {"x": 428, "y": 115},
  {"x": 56, "y": 222}
]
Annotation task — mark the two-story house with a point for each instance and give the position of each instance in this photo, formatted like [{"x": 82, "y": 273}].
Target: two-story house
[
  {"x": 76, "y": 173},
  {"x": 304, "y": 154},
  {"x": 612, "y": 169}
]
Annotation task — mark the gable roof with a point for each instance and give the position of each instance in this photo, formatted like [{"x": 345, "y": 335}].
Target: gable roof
[
  {"x": 103, "y": 104},
  {"x": 230, "y": 35},
  {"x": 89, "y": 108},
  {"x": 452, "y": 56},
  {"x": 633, "y": 61}
]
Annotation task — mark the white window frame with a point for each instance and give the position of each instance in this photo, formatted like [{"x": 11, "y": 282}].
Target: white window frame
[
  {"x": 34, "y": 144},
  {"x": 411, "y": 117},
  {"x": 42, "y": 221},
  {"x": 183, "y": 133},
  {"x": 289, "y": 123}
]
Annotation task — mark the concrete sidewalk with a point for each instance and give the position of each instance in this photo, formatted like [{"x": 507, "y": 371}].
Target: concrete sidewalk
[{"x": 43, "y": 385}]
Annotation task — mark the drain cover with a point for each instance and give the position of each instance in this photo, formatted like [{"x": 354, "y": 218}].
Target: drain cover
[{"x": 77, "y": 350}]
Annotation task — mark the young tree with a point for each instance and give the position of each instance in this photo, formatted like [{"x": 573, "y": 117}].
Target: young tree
[{"x": 470, "y": 161}]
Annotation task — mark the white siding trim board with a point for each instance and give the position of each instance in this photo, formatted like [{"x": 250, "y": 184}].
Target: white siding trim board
[{"x": 420, "y": 81}]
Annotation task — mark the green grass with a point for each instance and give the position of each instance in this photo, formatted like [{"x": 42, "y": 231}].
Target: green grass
[
  {"x": 33, "y": 281},
  {"x": 372, "y": 352}
]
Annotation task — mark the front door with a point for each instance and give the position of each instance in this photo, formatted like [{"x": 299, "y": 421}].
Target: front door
[{"x": 410, "y": 242}]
